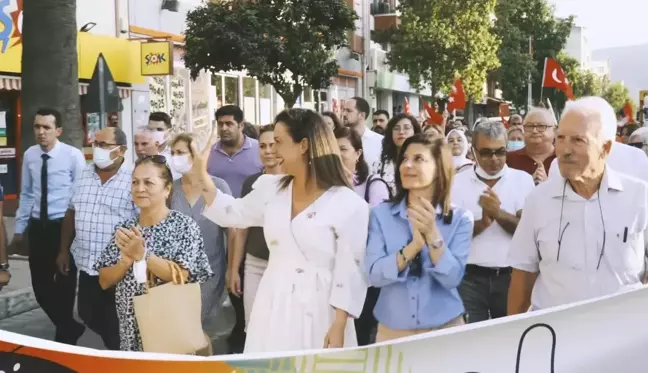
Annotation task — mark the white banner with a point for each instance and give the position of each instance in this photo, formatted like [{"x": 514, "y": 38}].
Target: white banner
[{"x": 605, "y": 335}]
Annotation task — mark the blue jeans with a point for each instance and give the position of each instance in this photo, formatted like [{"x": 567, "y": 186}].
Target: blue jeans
[{"x": 484, "y": 292}]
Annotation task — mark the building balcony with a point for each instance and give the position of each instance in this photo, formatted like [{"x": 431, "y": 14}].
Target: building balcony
[{"x": 385, "y": 14}]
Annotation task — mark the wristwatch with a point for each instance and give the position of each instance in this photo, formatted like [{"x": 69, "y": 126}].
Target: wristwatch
[
  {"x": 437, "y": 244},
  {"x": 4, "y": 267}
]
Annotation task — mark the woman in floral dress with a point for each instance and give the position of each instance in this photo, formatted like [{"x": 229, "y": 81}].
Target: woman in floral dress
[{"x": 158, "y": 235}]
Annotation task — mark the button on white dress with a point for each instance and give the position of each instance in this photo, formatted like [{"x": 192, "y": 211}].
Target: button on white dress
[{"x": 315, "y": 263}]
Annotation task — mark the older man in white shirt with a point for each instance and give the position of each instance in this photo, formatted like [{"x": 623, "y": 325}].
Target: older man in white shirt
[
  {"x": 581, "y": 235},
  {"x": 495, "y": 194},
  {"x": 623, "y": 158}
]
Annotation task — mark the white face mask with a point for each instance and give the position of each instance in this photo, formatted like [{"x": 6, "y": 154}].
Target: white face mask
[
  {"x": 101, "y": 157},
  {"x": 485, "y": 175},
  {"x": 159, "y": 137},
  {"x": 181, "y": 163}
]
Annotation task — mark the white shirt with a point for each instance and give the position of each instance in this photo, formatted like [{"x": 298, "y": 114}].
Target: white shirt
[
  {"x": 570, "y": 274},
  {"x": 623, "y": 158},
  {"x": 371, "y": 146},
  {"x": 490, "y": 248}
]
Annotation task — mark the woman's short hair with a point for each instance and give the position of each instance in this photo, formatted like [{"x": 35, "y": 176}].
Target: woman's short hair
[
  {"x": 324, "y": 162},
  {"x": 159, "y": 162},
  {"x": 512, "y": 129},
  {"x": 444, "y": 170},
  {"x": 334, "y": 118},
  {"x": 185, "y": 137},
  {"x": 266, "y": 128},
  {"x": 362, "y": 168}
]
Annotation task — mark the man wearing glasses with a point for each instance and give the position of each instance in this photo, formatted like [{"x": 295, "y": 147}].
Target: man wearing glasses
[
  {"x": 495, "y": 194},
  {"x": 582, "y": 232},
  {"x": 538, "y": 152},
  {"x": 101, "y": 199}
]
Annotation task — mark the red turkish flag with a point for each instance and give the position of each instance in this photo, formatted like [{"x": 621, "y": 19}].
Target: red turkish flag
[
  {"x": 504, "y": 111},
  {"x": 554, "y": 77},
  {"x": 457, "y": 98},
  {"x": 627, "y": 110},
  {"x": 435, "y": 118},
  {"x": 406, "y": 106}
]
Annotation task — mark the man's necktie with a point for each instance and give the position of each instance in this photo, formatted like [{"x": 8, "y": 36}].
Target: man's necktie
[{"x": 43, "y": 203}]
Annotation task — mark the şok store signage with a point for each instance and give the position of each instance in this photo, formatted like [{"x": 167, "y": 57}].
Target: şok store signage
[{"x": 157, "y": 58}]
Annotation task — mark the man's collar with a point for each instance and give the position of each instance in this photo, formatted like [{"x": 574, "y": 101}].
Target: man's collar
[
  {"x": 610, "y": 181},
  {"x": 56, "y": 149}
]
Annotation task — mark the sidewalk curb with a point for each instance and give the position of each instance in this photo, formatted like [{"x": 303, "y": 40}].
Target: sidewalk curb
[{"x": 17, "y": 302}]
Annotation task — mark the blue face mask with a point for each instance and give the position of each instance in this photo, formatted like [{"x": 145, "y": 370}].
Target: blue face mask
[{"x": 514, "y": 145}]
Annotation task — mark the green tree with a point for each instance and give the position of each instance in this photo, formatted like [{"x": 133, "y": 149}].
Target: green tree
[
  {"x": 517, "y": 22},
  {"x": 50, "y": 68},
  {"x": 583, "y": 82},
  {"x": 617, "y": 95},
  {"x": 285, "y": 43},
  {"x": 440, "y": 39}
]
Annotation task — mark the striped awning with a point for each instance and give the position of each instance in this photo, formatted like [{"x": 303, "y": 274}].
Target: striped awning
[
  {"x": 123, "y": 92},
  {"x": 12, "y": 83}
]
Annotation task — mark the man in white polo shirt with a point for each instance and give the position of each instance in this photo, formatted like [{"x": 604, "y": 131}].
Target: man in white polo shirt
[
  {"x": 495, "y": 194},
  {"x": 355, "y": 114},
  {"x": 582, "y": 233}
]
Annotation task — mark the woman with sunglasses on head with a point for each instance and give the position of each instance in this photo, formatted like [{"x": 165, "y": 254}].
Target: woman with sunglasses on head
[
  {"x": 418, "y": 245},
  {"x": 186, "y": 197},
  {"x": 399, "y": 128},
  {"x": 149, "y": 242},
  {"x": 316, "y": 229}
]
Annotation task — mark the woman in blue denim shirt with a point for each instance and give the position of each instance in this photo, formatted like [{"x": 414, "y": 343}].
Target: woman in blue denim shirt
[{"x": 418, "y": 245}]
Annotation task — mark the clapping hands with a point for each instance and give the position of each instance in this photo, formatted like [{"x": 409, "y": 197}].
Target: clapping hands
[{"x": 130, "y": 242}]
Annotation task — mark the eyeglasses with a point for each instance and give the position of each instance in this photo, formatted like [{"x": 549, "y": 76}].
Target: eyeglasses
[
  {"x": 103, "y": 145},
  {"x": 536, "y": 126},
  {"x": 403, "y": 128},
  {"x": 561, "y": 230},
  {"x": 489, "y": 153}
]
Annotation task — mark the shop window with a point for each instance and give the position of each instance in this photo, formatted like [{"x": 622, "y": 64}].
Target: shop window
[
  {"x": 308, "y": 94},
  {"x": 231, "y": 90},
  {"x": 217, "y": 83},
  {"x": 249, "y": 100},
  {"x": 265, "y": 104}
]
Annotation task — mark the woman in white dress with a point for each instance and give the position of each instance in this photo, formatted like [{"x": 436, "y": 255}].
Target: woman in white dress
[{"x": 315, "y": 226}]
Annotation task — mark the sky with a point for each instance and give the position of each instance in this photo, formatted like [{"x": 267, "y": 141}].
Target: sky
[{"x": 609, "y": 23}]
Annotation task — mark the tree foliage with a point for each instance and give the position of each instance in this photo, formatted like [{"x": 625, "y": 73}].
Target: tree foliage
[
  {"x": 617, "y": 94},
  {"x": 517, "y": 21},
  {"x": 284, "y": 43},
  {"x": 583, "y": 82},
  {"x": 440, "y": 39},
  {"x": 50, "y": 67}
]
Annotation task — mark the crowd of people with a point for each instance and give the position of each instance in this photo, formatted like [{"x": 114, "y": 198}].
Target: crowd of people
[{"x": 326, "y": 233}]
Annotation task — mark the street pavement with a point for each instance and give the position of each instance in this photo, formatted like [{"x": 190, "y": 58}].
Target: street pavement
[{"x": 36, "y": 324}]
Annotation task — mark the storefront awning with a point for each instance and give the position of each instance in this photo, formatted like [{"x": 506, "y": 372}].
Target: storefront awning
[{"x": 12, "y": 83}]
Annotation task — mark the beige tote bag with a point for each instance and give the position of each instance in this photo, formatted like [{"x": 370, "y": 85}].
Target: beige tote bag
[{"x": 169, "y": 316}]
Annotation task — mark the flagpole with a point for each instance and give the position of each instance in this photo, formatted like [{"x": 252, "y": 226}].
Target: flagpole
[
  {"x": 544, "y": 72},
  {"x": 530, "y": 87}
]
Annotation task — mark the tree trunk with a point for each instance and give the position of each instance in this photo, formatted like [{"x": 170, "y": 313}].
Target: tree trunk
[{"x": 50, "y": 67}]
